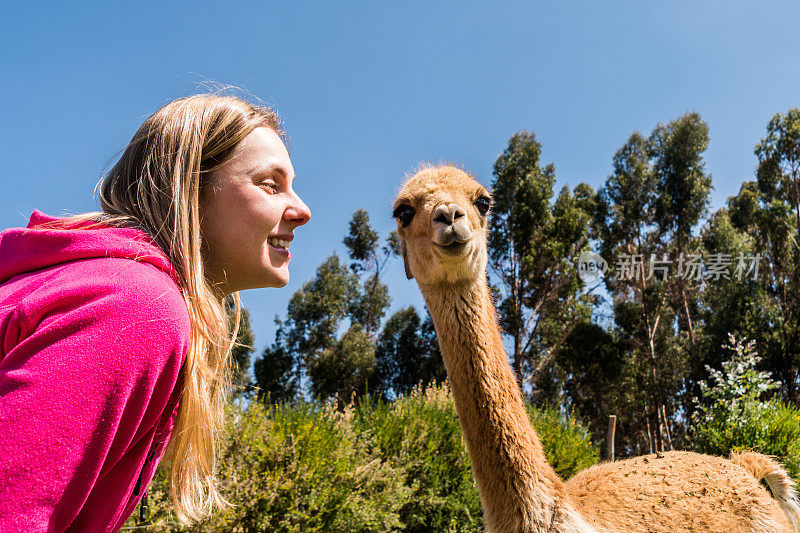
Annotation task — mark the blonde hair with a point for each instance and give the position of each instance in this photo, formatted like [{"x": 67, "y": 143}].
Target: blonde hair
[{"x": 156, "y": 186}]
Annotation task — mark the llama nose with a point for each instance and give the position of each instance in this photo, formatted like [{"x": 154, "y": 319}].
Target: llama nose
[{"x": 447, "y": 214}]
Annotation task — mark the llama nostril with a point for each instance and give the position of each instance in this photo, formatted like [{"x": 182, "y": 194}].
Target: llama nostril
[{"x": 447, "y": 214}]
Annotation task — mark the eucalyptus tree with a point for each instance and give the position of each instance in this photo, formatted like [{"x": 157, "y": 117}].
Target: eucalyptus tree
[
  {"x": 309, "y": 342},
  {"x": 676, "y": 151},
  {"x": 779, "y": 182},
  {"x": 309, "y": 331},
  {"x": 276, "y": 371},
  {"x": 534, "y": 243},
  {"x": 647, "y": 213},
  {"x": 739, "y": 302},
  {"x": 367, "y": 261},
  {"x": 761, "y": 224},
  {"x": 596, "y": 381},
  {"x": 628, "y": 237},
  {"x": 768, "y": 210},
  {"x": 407, "y": 354}
]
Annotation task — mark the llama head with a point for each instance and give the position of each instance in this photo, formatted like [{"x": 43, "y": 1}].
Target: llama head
[{"x": 442, "y": 221}]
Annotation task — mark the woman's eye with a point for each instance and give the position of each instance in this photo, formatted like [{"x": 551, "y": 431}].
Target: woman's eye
[
  {"x": 270, "y": 185},
  {"x": 404, "y": 213},
  {"x": 483, "y": 204}
]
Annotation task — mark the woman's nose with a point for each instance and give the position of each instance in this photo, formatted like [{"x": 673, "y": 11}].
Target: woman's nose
[{"x": 297, "y": 212}]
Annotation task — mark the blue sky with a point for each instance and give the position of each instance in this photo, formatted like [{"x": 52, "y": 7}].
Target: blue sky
[{"x": 369, "y": 89}]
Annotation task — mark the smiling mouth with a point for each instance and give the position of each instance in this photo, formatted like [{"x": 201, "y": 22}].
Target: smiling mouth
[
  {"x": 279, "y": 245},
  {"x": 454, "y": 249}
]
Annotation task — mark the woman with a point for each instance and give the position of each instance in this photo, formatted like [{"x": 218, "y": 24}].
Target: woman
[{"x": 112, "y": 325}]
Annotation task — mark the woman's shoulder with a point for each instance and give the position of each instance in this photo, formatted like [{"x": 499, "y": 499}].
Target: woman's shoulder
[
  {"x": 54, "y": 264},
  {"x": 121, "y": 278},
  {"x": 128, "y": 297},
  {"x": 114, "y": 278}
]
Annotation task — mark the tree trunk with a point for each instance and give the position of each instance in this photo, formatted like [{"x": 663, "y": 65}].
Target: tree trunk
[
  {"x": 659, "y": 444},
  {"x": 517, "y": 362},
  {"x": 689, "y": 326}
]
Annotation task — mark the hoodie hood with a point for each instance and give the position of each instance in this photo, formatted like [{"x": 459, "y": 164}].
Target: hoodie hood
[{"x": 48, "y": 241}]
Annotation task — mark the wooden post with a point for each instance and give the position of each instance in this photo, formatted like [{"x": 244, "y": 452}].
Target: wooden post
[
  {"x": 612, "y": 427},
  {"x": 666, "y": 426}
]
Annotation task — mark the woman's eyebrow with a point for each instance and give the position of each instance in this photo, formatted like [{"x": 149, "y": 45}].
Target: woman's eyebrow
[{"x": 278, "y": 169}]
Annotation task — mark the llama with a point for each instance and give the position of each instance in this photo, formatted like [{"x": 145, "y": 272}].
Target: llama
[{"x": 442, "y": 217}]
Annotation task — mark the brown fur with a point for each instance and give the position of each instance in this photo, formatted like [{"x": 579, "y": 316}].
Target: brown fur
[
  {"x": 519, "y": 490},
  {"x": 679, "y": 491},
  {"x": 781, "y": 485}
]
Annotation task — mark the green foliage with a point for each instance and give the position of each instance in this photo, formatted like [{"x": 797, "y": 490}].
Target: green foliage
[
  {"x": 361, "y": 240},
  {"x": 779, "y": 157},
  {"x": 298, "y": 468},
  {"x": 777, "y": 226},
  {"x": 408, "y": 354},
  {"x": 368, "y": 262},
  {"x": 276, "y": 370},
  {"x": 647, "y": 211},
  {"x": 372, "y": 467},
  {"x": 737, "y": 384},
  {"x": 345, "y": 369},
  {"x": 534, "y": 241},
  {"x": 303, "y": 469},
  {"x": 773, "y": 429},
  {"x": 733, "y": 417},
  {"x": 567, "y": 443},
  {"x": 625, "y": 201},
  {"x": 393, "y": 243},
  {"x": 370, "y": 307},
  {"x": 309, "y": 331},
  {"x": 315, "y": 311},
  {"x": 242, "y": 350},
  {"x": 741, "y": 304},
  {"x": 676, "y": 150},
  {"x": 420, "y": 436},
  {"x": 337, "y": 297},
  {"x": 594, "y": 361}
]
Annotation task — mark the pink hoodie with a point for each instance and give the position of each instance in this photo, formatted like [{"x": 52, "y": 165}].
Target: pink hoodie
[{"x": 93, "y": 333}]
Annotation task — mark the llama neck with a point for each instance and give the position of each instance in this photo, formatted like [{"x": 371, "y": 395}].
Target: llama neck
[{"x": 519, "y": 490}]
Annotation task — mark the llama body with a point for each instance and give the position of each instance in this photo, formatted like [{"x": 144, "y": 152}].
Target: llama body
[
  {"x": 675, "y": 492},
  {"x": 442, "y": 223}
]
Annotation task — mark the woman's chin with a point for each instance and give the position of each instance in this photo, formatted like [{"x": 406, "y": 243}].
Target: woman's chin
[
  {"x": 276, "y": 270},
  {"x": 278, "y": 278}
]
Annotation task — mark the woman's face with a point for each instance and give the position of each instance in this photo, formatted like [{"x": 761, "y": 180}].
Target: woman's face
[{"x": 249, "y": 212}]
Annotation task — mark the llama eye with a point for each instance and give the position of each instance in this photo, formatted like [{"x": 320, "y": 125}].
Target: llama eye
[
  {"x": 483, "y": 204},
  {"x": 404, "y": 213}
]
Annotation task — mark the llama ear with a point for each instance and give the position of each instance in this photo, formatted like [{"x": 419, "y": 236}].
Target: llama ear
[{"x": 403, "y": 250}]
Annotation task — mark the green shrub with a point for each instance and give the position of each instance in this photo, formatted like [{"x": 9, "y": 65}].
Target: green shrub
[
  {"x": 306, "y": 472},
  {"x": 375, "y": 466},
  {"x": 566, "y": 442},
  {"x": 419, "y": 434},
  {"x": 773, "y": 429},
  {"x": 295, "y": 469},
  {"x": 732, "y": 417}
]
